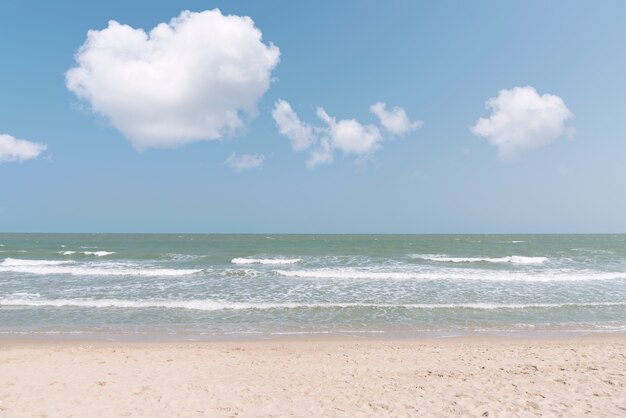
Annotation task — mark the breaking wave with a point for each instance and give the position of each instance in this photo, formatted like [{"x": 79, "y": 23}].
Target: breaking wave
[
  {"x": 513, "y": 259},
  {"x": 96, "y": 253},
  {"x": 265, "y": 260},
  {"x": 212, "y": 305},
  {"x": 454, "y": 274},
  {"x": 49, "y": 267}
]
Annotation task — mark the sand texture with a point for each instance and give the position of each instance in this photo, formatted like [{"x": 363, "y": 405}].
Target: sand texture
[{"x": 495, "y": 377}]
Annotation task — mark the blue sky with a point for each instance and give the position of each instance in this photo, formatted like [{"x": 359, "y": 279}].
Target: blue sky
[{"x": 439, "y": 61}]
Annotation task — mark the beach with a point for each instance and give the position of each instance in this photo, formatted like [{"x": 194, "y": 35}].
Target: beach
[
  {"x": 465, "y": 376},
  {"x": 312, "y": 325}
]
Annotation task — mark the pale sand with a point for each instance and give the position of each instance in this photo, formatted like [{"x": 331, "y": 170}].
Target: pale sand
[{"x": 470, "y": 377}]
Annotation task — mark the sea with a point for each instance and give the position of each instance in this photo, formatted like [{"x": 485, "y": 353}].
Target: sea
[{"x": 223, "y": 286}]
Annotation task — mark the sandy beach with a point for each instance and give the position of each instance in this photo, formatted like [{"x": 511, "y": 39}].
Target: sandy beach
[{"x": 316, "y": 377}]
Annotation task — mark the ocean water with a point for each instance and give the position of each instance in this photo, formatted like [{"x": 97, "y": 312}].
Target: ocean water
[{"x": 223, "y": 286}]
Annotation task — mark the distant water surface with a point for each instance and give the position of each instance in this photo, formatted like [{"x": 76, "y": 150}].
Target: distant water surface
[{"x": 216, "y": 286}]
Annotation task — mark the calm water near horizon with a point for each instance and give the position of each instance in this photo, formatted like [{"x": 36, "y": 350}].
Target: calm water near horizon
[{"x": 221, "y": 286}]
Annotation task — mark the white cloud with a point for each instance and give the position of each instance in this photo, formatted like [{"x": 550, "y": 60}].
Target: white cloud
[
  {"x": 188, "y": 80},
  {"x": 395, "y": 120},
  {"x": 13, "y": 149},
  {"x": 522, "y": 120},
  {"x": 347, "y": 136},
  {"x": 322, "y": 154},
  {"x": 301, "y": 134},
  {"x": 239, "y": 163},
  {"x": 350, "y": 136}
]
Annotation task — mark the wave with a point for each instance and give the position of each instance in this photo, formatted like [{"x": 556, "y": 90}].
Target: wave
[
  {"x": 50, "y": 267},
  {"x": 96, "y": 253},
  {"x": 181, "y": 257},
  {"x": 453, "y": 274},
  {"x": 18, "y": 262},
  {"x": 265, "y": 260},
  {"x": 211, "y": 305},
  {"x": 513, "y": 259}
]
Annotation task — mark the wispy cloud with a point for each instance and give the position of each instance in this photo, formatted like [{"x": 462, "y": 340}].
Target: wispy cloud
[
  {"x": 394, "y": 120},
  {"x": 347, "y": 136},
  {"x": 301, "y": 135},
  {"x": 239, "y": 163}
]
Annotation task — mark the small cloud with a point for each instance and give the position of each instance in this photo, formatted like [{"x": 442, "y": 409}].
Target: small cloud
[
  {"x": 190, "y": 79},
  {"x": 239, "y": 163},
  {"x": 13, "y": 149},
  {"x": 521, "y": 120},
  {"x": 299, "y": 133},
  {"x": 395, "y": 120},
  {"x": 322, "y": 154},
  {"x": 348, "y": 136}
]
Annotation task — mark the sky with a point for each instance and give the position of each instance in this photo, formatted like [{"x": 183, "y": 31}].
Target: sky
[{"x": 312, "y": 117}]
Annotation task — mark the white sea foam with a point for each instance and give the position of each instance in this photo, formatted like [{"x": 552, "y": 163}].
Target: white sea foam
[
  {"x": 212, "y": 305},
  {"x": 26, "y": 295},
  {"x": 453, "y": 274},
  {"x": 96, "y": 253},
  {"x": 349, "y": 273},
  {"x": 49, "y": 267},
  {"x": 265, "y": 260},
  {"x": 181, "y": 257},
  {"x": 513, "y": 259},
  {"x": 99, "y": 253},
  {"x": 18, "y": 262}
]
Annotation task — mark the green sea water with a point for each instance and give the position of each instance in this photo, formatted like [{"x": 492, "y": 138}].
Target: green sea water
[{"x": 222, "y": 286}]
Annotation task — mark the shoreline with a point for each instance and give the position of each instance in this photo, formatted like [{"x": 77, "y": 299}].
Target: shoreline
[
  {"x": 303, "y": 340},
  {"x": 298, "y": 342},
  {"x": 390, "y": 336}
]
